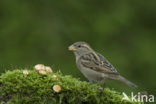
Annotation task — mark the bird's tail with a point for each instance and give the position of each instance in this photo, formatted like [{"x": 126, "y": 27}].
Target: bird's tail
[{"x": 124, "y": 80}]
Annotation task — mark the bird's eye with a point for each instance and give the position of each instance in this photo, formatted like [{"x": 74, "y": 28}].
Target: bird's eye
[{"x": 79, "y": 46}]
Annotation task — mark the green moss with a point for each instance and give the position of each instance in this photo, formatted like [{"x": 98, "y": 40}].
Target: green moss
[{"x": 34, "y": 88}]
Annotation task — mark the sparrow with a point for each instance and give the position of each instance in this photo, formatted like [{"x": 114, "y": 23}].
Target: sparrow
[{"x": 95, "y": 67}]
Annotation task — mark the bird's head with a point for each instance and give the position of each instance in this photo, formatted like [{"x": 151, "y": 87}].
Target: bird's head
[{"x": 80, "y": 48}]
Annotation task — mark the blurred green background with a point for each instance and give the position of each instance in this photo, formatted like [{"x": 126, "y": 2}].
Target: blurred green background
[{"x": 40, "y": 31}]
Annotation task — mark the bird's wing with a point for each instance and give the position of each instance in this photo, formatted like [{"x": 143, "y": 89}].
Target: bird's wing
[
  {"x": 106, "y": 63},
  {"x": 97, "y": 62}
]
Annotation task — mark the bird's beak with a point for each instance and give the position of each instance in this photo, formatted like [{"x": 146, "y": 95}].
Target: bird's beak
[{"x": 72, "y": 48}]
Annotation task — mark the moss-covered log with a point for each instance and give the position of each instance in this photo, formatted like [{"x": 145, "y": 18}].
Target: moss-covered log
[{"x": 31, "y": 87}]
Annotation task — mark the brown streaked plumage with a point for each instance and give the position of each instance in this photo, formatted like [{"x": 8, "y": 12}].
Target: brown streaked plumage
[{"x": 94, "y": 66}]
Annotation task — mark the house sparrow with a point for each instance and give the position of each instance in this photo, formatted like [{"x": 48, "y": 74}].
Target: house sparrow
[{"x": 94, "y": 66}]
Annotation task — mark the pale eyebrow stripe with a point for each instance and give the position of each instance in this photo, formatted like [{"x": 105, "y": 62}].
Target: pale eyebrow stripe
[{"x": 87, "y": 46}]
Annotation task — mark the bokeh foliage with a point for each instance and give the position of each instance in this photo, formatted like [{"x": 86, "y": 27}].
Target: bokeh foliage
[{"x": 39, "y": 31}]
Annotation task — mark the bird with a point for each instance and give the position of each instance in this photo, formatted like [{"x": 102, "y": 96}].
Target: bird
[{"x": 95, "y": 67}]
